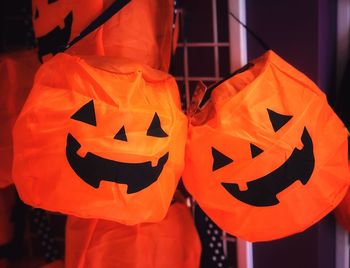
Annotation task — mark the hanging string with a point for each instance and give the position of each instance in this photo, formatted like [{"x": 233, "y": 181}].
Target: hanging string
[
  {"x": 250, "y": 31},
  {"x": 105, "y": 16},
  {"x": 60, "y": 45},
  {"x": 263, "y": 44}
]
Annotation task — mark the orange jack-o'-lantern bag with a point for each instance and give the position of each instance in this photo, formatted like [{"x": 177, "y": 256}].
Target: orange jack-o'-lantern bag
[
  {"x": 17, "y": 72},
  {"x": 100, "y": 138},
  {"x": 140, "y": 30},
  {"x": 57, "y": 23},
  {"x": 266, "y": 156},
  {"x": 173, "y": 242}
]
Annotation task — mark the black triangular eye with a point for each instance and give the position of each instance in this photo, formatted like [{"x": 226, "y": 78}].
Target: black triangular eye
[
  {"x": 155, "y": 129},
  {"x": 220, "y": 160},
  {"x": 255, "y": 150},
  {"x": 51, "y": 1},
  {"x": 86, "y": 114},
  {"x": 278, "y": 120},
  {"x": 121, "y": 135},
  {"x": 36, "y": 14}
]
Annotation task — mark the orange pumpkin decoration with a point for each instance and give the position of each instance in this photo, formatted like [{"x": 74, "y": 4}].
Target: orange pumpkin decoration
[
  {"x": 266, "y": 157},
  {"x": 147, "y": 40},
  {"x": 17, "y": 72},
  {"x": 173, "y": 242},
  {"x": 57, "y": 22},
  {"x": 100, "y": 138}
]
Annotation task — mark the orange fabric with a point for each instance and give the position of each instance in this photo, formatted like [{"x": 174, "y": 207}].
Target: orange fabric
[
  {"x": 342, "y": 212},
  {"x": 7, "y": 201},
  {"x": 173, "y": 242},
  {"x": 100, "y": 138},
  {"x": 141, "y": 31},
  {"x": 54, "y": 20},
  {"x": 17, "y": 72},
  {"x": 267, "y": 156}
]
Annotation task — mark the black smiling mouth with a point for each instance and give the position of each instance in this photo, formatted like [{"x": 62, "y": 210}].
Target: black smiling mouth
[
  {"x": 93, "y": 169},
  {"x": 262, "y": 192},
  {"x": 56, "y": 40}
]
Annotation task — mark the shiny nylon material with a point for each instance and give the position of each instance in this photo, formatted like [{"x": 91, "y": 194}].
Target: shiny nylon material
[
  {"x": 118, "y": 93},
  {"x": 173, "y": 242},
  {"x": 125, "y": 35},
  {"x": 57, "y": 23},
  {"x": 147, "y": 40},
  {"x": 17, "y": 72},
  {"x": 266, "y": 157}
]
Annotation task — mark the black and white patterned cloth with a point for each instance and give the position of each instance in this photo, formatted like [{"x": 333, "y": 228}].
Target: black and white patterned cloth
[
  {"x": 211, "y": 238},
  {"x": 41, "y": 226}
]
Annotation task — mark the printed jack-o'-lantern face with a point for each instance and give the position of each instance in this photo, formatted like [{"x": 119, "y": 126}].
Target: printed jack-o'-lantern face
[
  {"x": 104, "y": 139},
  {"x": 56, "y": 22},
  {"x": 263, "y": 191},
  {"x": 262, "y": 157},
  {"x": 93, "y": 168}
]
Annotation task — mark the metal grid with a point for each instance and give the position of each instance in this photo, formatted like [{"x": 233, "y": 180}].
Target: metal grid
[
  {"x": 187, "y": 90},
  {"x": 186, "y": 78},
  {"x": 342, "y": 248}
]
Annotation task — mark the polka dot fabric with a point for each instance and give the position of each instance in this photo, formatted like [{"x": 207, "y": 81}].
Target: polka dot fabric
[
  {"x": 41, "y": 226},
  {"x": 212, "y": 243}
]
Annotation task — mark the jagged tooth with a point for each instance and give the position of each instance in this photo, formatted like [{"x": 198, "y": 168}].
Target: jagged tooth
[
  {"x": 154, "y": 162},
  {"x": 242, "y": 186},
  {"x": 300, "y": 145},
  {"x": 81, "y": 152}
]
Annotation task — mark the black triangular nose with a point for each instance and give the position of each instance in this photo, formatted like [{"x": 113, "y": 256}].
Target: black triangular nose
[{"x": 121, "y": 135}]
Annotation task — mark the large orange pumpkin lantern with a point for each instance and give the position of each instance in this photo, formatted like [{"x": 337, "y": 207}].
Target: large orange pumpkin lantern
[
  {"x": 266, "y": 157},
  {"x": 100, "y": 138},
  {"x": 173, "y": 242},
  {"x": 17, "y": 72}
]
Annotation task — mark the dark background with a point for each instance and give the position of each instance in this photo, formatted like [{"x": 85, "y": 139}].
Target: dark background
[{"x": 302, "y": 32}]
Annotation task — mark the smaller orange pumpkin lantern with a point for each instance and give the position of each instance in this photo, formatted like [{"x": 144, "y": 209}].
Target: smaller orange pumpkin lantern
[
  {"x": 17, "y": 72},
  {"x": 266, "y": 156},
  {"x": 56, "y": 23},
  {"x": 173, "y": 242},
  {"x": 147, "y": 40},
  {"x": 100, "y": 138}
]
